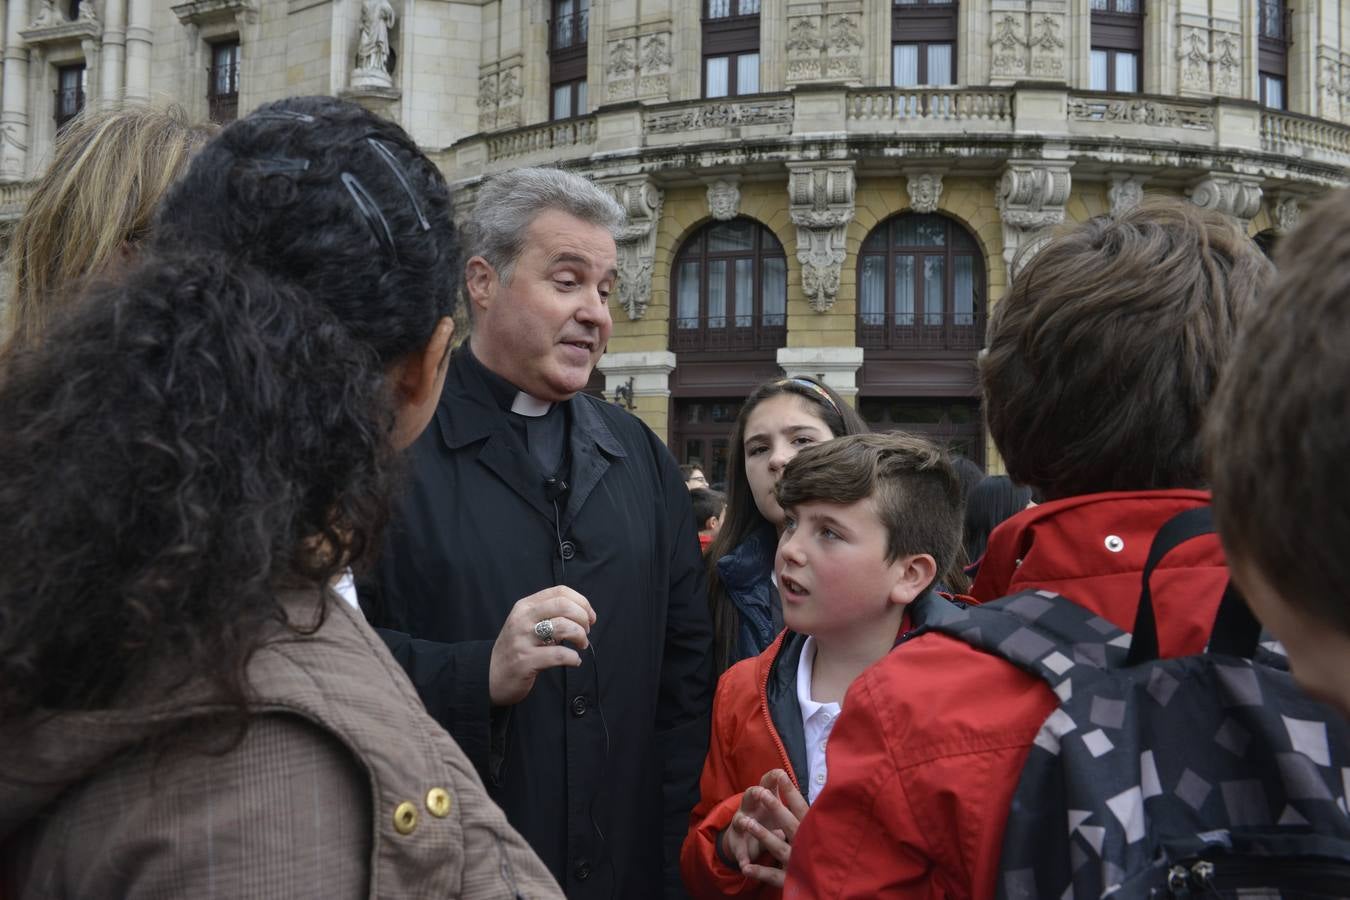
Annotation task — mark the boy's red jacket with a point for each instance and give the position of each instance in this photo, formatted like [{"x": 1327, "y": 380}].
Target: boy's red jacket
[
  {"x": 931, "y": 741},
  {"x": 745, "y": 744}
]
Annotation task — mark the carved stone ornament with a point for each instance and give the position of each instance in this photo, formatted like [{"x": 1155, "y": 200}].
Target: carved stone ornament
[
  {"x": 1287, "y": 214},
  {"x": 655, "y": 54},
  {"x": 487, "y": 92},
  {"x": 1193, "y": 53},
  {"x": 821, "y": 196},
  {"x": 372, "y": 52},
  {"x": 1126, "y": 192},
  {"x": 1008, "y": 43},
  {"x": 47, "y": 16},
  {"x": 641, "y": 200},
  {"x": 622, "y": 59},
  {"x": 1143, "y": 112},
  {"x": 1047, "y": 46},
  {"x": 52, "y": 27},
  {"x": 776, "y": 111},
  {"x": 1227, "y": 62},
  {"x": 924, "y": 190},
  {"x": 804, "y": 36},
  {"x": 724, "y": 199},
  {"x": 844, "y": 34},
  {"x": 88, "y": 13},
  {"x": 1031, "y": 197},
  {"x": 1229, "y": 194}
]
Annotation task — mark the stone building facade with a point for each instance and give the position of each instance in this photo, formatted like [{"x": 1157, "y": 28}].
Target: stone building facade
[{"x": 832, "y": 187}]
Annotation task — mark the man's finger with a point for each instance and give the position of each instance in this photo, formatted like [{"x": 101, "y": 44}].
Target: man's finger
[
  {"x": 772, "y": 812},
  {"x": 556, "y": 607},
  {"x": 770, "y": 875},
  {"x": 777, "y": 847},
  {"x": 563, "y": 630}
]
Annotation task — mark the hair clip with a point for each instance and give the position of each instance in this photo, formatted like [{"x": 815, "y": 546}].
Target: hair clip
[
  {"x": 811, "y": 385},
  {"x": 392, "y": 162},
  {"x": 371, "y": 212},
  {"x": 283, "y": 115},
  {"x": 279, "y": 166}
]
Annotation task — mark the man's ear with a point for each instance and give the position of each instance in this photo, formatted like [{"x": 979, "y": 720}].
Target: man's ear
[
  {"x": 480, "y": 282},
  {"x": 417, "y": 380},
  {"x": 912, "y": 575}
]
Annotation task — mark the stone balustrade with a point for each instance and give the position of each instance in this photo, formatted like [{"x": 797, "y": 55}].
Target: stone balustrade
[
  {"x": 994, "y": 105},
  {"x": 570, "y": 136},
  {"x": 1316, "y": 139}
]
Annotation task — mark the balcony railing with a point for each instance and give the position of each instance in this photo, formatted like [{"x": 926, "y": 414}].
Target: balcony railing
[
  {"x": 921, "y": 331},
  {"x": 578, "y": 131},
  {"x": 223, "y": 95},
  {"x": 991, "y": 105},
  {"x": 569, "y": 31},
  {"x": 69, "y": 102},
  {"x": 1298, "y": 135}
]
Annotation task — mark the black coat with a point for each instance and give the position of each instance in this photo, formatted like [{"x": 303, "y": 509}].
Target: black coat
[{"x": 599, "y": 782}]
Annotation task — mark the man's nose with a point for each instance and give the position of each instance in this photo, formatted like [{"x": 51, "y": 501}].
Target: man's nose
[{"x": 595, "y": 311}]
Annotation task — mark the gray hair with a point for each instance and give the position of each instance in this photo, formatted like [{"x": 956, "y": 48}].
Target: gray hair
[{"x": 509, "y": 202}]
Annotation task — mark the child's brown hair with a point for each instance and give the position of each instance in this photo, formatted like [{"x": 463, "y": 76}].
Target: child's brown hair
[{"x": 913, "y": 483}]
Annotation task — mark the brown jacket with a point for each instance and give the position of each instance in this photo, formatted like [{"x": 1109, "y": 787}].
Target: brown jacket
[{"x": 341, "y": 787}]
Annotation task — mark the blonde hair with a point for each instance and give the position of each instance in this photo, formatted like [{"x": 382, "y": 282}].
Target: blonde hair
[{"x": 98, "y": 196}]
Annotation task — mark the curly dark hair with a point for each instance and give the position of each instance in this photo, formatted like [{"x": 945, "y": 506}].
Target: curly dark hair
[{"x": 217, "y": 423}]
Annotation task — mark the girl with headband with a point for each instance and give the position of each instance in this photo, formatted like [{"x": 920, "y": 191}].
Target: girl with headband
[{"x": 778, "y": 419}]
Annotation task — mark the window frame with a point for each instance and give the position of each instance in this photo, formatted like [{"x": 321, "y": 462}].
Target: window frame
[
  {"x": 223, "y": 108},
  {"x": 1272, "y": 51},
  {"x": 1115, "y": 32},
  {"x": 732, "y": 36},
  {"x": 574, "y": 86},
  {"x": 921, "y": 335},
  {"x": 760, "y": 336},
  {"x": 925, "y": 22},
  {"x": 567, "y": 64},
  {"x": 81, "y": 71}
]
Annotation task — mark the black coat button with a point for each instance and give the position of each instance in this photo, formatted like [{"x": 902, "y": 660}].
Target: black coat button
[
  {"x": 568, "y": 549},
  {"x": 582, "y": 870},
  {"x": 579, "y": 705}
]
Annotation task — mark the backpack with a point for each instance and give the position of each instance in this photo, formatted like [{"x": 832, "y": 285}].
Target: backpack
[{"x": 1202, "y": 776}]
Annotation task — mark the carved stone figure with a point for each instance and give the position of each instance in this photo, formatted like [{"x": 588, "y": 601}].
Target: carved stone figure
[
  {"x": 924, "y": 190},
  {"x": 1126, "y": 192},
  {"x": 724, "y": 199},
  {"x": 48, "y": 15},
  {"x": 88, "y": 13},
  {"x": 377, "y": 17},
  {"x": 1287, "y": 214}
]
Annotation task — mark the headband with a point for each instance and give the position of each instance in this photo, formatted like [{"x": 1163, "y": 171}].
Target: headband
[{"x": 820, "y": 391}]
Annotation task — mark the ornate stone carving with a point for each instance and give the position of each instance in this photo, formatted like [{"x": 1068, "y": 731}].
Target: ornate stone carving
[
  {"x": 1047, "y": 56},
  {"x": 1031, "y": 197},
  {"x": 87, "y": 11},
  {"x": 641, "y": 200},
  {"x": 924, "y": 190},
  {"x": 804, "y": 36},
  {"x": 718, "y": 115},
  {"x": 1227, "y": 63},
  {"x": 655, "y": 53},
  {"x": 724, "y": 199},
  {"x": 1143, "y": 112},
  {"x": 1287, "y": 214},
  {"x": 487, "y": 91},
  {"x": 1126, "y": 192},
  {"x": 622, "y": 59},
  {"x": 844, "y": 33},
  {"x": 1232, "y": 195},
  {"x": 47, "y": 16},
  {"x": 821, "y": 197},
  {"x": 1008, "y": 43},
  {"x": 372, "y": 50},
  {"x": 509, "y": 92},
  {"x": 1193, "y": 53}
]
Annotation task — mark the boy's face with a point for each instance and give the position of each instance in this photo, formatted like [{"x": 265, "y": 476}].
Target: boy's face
[
  {"x": 1319, "y": 653},
  {"x": 833, "y": 576}
]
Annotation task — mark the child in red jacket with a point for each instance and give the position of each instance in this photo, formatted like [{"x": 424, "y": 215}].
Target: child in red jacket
[{"x": 870, "y": 522}]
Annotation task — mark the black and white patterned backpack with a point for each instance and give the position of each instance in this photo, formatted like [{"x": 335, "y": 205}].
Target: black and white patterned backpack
[{"x": 1200, "y": 776}]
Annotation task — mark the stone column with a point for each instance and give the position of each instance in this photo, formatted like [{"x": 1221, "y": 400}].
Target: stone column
[
  {"x": 139, "y": 42},
  {"x": 1031, "y": 197},
  {"x": 631, "y": 375},
  {"x": 14, "y": 101},
  {"x": 821, "y": 198},
  {"x": 641, "y": 199},
  {"x": 114, "y": 50}
]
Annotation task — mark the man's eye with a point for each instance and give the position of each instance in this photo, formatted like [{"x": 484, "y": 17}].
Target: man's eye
[{"x": 565, "y": 283}]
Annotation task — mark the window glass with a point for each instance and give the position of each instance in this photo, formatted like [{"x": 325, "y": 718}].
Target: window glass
[
  {"x": 1127, "y": 6},
  {"x": 742, "y": 306},
  {"x": 904, "y": 289},
  {"x": 687, "y": 310},
  {"x": 1097, "y": 70},
  {"x": 933, "y": 284},
  {"x": 1099, "y": 4},
  {"x": 747, "y": 73},
  {"x": 905, "y": 65},
  {"x": 719, "y": 9},
  {"x": 940, "y": 64},
  {"x": 920, "y": 231},
  {"x": 562, "y": 101},
  {"x": 717, "y": 293},
  {"x": 736, "y": 235},
  {"x": 1274, "y": 91},
  {"x": 715, "y": 76},
  {"x": 749, "y": 7},
  {"x": 773, "y": 288},
  {"x": 581, "y": 97},
  {"x": 872, "y": 291},
  {"x": 963, "y": 289},
  {"x": 1127, "y": 70}
]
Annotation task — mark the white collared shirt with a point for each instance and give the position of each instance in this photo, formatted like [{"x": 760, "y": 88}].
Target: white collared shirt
[
  {"x": 817, "y": 721},
  {"x": 345, "y": 587}
]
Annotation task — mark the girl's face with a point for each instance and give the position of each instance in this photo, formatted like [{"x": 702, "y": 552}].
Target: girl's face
[{"x": 776, "y": 429}]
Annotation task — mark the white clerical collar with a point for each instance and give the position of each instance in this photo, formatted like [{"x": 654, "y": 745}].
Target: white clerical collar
[{"x": 526, "y": 405}]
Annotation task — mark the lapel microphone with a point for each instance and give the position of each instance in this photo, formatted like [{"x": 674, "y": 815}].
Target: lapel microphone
[{"x": 554, "y": 488}]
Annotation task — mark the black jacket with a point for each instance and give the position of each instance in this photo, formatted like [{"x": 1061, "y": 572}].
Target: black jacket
[{"x": 600, "y": 782}]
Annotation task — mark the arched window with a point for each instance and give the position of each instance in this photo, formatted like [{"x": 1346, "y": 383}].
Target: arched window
[
  {"x": 921, "y": 286},
  {"x": 730, "y": 288}
]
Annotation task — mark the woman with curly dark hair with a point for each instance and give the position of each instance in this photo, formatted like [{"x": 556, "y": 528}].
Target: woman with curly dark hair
[{"x": 190, "y": 460}]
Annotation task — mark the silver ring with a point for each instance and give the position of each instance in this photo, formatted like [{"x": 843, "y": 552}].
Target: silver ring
[{"x": 543, "y": 629}]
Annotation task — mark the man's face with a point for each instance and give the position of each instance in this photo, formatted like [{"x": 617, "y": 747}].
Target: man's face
[{"x": 545, "y": 329}]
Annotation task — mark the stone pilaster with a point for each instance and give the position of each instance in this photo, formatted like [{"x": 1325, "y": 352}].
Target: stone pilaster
[
  {"x": 836, "y": 366},
  {"x": 641, "y": 200},
  {"x": 821, "y": 206},
  {"x": 1031, "y": 197}
]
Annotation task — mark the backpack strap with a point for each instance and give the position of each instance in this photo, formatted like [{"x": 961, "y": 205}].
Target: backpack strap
[{"x": 1040, "y": 632}]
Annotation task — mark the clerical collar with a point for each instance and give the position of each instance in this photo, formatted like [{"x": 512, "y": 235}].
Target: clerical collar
[{"x": 507, "y": 395}]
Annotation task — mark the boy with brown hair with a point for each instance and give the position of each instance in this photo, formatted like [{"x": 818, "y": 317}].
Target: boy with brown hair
[
  {"x": 1101, "y": 361},
  {"x": 709, "y": 507},
  {"x": 871, "y": 520},
  {"x": 1278, "y": 447}
]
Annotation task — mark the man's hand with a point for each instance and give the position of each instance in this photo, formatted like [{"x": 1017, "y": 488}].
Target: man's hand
[
  {"x": 769, "y": 816},
  {"x": 518, "y": 656}
]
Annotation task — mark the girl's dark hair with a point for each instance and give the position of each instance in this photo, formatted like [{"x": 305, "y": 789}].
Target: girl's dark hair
[
  {"x": 217, "y": 423},
  {"x": 742, "y": 517},
  {"x": 991, "y": 501}
]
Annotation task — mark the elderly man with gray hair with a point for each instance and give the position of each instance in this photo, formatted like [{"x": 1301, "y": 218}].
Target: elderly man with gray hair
[{"x": 542, "y": 582}]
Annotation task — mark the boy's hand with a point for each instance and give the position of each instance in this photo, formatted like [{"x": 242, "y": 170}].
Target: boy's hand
[{"x": 768, "y": 817}]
